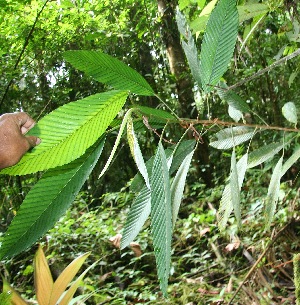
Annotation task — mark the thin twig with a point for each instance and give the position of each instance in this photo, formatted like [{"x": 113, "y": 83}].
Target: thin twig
[
  {"x": 23, "y": 50},
  {"x": 262, "y": 71},
  {"x": 257, "y": 262}
]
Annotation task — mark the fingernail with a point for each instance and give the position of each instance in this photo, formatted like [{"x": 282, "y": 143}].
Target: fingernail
[{"x": 38, "y": 141}]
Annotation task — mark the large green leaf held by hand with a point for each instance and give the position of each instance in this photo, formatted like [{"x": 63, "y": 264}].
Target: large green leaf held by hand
[
  {"x": 47, "y": 201},
  {"x": 218, "y": 43},
  {"x": 68, "y": 131},
  {"x": 109, "y": 70}
]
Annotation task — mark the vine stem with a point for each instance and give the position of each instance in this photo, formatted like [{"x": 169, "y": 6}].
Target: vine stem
[{"x": 224, "y": 123}]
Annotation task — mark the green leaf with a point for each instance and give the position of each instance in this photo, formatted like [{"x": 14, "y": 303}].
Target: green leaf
[
  {"x": 232, "y": 136},
  {"x": 109, "y": 70},
  {"x": 263, "y": 154},
  {"x": 289, "y": 111},
  {"x": 5, "y": 298},
  {"x": 290, "y": 161},
  {"x": 161, "y": 216},
  {"x": 136, "y": 152},
  {"x": 47, "y": 201},
  {"x": 218, "y": 43},
  {"x": 177, "y": 186},
  {"x": 189, "y": 47},
  {"x": 226, "y": 204},
  {"x": 157, "y": 113},
  {"x": 231, "y": 98},
  {"x": 235, "y": 114},
  {"x": 273, "y": 194},
  {"x": 235, "y": 189},
  {"x": 68, "y": 131},
  {"x": 248, "y": 11},
  {"x": 137, "y": 215}
]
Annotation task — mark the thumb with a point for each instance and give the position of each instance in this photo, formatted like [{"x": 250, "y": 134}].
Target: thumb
[{"x": 33, "y": 141}]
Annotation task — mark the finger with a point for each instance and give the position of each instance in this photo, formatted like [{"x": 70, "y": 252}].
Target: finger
[
  {"x": 33, "y": 141},
  {"x": 24, "y": 121}
]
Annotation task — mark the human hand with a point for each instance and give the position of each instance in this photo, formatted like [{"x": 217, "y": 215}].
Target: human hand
[{"x": 13, "y": 142}]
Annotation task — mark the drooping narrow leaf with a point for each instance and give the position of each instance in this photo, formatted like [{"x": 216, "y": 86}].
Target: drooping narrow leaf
[
  {"x": 232, "y": 136},
  {"x": 136, "y": 152},
  {"x": 109, "y": 70},
  {"x": 117, "y": 142},
  {"x": 161, "y": 216},
  {"x": 218, "y": 43},
  {"x": 47, "y": 201},
  {"x": 235, "y": 189},
  {"x": 263, "y": 154},
  {"x": 137, "y": 215},
  {"x": 43, "y": 281},
  {"x": 289, "y": 111},
  {"x": 177, "y": 186},
  {"x": 290, "y": 161},
  {"x": 66, "y": 277},
  {"x": 68, "y": 131},
  {"x": 189, "y": 47},
  {"x": 226, "y": 205},
  {"x": 273, "y": 194}
]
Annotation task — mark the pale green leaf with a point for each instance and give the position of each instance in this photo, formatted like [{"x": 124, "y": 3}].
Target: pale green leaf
[
  {"x": 235, "y": 114},
  {"x": 109, "y": 70},
  {"x": 290, "y": 161},
  {"x": 263, "y": 154},
  {"x": 218, "y": 43},
  {"x": 232, "y": 136},
  {"x": 251, "y": 10},
  {"x": 289, "y": 111},
  {"x": 68, "y": 131},
  {"x": 161, "y": 216},
  {"x": 47, "y": 201},
  {"x": 226, "y": 205},
  {"x": 137, "y": 215},
  {"x": 235, "y": 189},
  {"x": 273, "y": 194},
  {"x": 189, "y": 47},
  {"x": 153, "y": 112},
  {"x": 177, "y": 186},
  {"x": 136, "y": 152}
]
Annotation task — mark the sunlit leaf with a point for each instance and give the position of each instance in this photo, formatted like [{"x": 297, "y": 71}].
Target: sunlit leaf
[
  {"x": 290, "y": 161},
  {"x": 69, "y": 131},
  {"x": 289, "y": 111},
  {"x": 15, "y": 298}
]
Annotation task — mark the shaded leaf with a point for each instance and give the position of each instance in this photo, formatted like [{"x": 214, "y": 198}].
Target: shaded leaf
[
  {"x": 273, "y": 194},
  {"x": 137, "y": 215},
  {"x": 68, "y": 131},
  {"x": 226, "y": 205},
  {"x": 263, "y": 154},
  {"x": 38, "y": 213},
  {"x": 109, "y": 70},
  {"x": 161, "y": 216},
  {"x": 218, "y": 43},
  {"x": 248, "y": 11}
]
